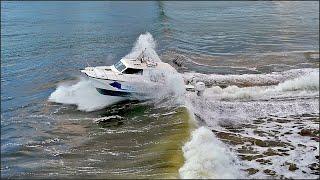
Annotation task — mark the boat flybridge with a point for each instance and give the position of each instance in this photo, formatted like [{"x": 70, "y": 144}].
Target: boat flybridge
[{"x": 129, "y": 77}]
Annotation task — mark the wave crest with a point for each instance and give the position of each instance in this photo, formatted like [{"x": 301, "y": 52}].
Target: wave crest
[{"x": 207, "y": 157}]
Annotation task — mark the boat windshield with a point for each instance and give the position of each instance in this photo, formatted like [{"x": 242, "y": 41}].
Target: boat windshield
[{"x": 119, "y": 66}]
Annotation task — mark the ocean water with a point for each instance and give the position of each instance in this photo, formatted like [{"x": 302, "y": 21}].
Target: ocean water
[{"x": 258, "y": 117}]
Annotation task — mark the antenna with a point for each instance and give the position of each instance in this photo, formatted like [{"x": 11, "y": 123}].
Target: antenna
[
  {"x": 87, "y": 63},
  {"x": 141, "y": 56}
]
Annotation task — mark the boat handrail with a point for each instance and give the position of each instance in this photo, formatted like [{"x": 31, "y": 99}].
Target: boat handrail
[{"x": 104, "y": 72}]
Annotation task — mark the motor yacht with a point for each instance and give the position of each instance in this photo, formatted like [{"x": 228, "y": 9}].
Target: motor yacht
[{"x": 129, "y": 77}]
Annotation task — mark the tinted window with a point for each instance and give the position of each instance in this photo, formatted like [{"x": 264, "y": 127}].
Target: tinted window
[
  {"x": 119, "y": 66},
  {"x": 133, "y": 71}
]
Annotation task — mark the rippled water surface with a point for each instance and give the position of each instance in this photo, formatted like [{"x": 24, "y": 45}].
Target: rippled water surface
[{"x": 260, "y": 110}]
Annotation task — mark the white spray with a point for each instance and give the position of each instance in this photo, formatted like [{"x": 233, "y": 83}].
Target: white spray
[
  {"x": 305, "y": 85},
  {"x": 147, "y": 43},
  {"x": 83, "y": 95},
  {"x": 208, "y": 158}
]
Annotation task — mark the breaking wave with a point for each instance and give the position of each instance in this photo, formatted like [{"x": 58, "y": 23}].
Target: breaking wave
[
  {"x": 208, "y": 158},
  {"x": 247, "y": 80},
  {"x": 308, "y": 82},
  {"x": 305, "y": 85}
]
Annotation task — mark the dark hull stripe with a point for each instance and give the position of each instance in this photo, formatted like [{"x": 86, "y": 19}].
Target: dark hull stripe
[
  {"x": 113, "y": 93},
  {"x": 103, "y": 78}
]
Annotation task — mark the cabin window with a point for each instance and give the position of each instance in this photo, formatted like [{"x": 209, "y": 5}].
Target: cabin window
[
  {"x": 133, "y": 71},
  {"x": 119, "y": 66}
]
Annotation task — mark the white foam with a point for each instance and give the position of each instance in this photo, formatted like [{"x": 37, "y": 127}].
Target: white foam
[
  {"x": 215, "y": 112},
  {"x": 307, "y": 82},
  {"x": 238, "y": 105},
  {"x": 173, "y": 85},
  {"x": 207, "y": 158},
  {"x": 172, "y": 91},
  {"x": 249, "y": 79},
  {"x": 302, "y": 156},
  {"x": 83, "y": 95},
  {"x": 305, "y": 85}
]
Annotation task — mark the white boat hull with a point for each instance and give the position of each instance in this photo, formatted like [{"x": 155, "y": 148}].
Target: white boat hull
[
  {"x": 130, "y": 77},
  {"x": 124, "y": 89}
]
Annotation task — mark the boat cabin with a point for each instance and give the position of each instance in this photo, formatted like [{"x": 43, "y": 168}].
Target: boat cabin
[{"x": 125, "y": 67}]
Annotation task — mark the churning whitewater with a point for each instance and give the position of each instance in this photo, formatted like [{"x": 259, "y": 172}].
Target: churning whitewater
[
  {"x": 244, "y": 99},
  {"x": 206, "y": 157}
]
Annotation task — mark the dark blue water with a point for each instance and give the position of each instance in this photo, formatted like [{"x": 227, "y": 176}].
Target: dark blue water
[{"x": 44, "y": 43}]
